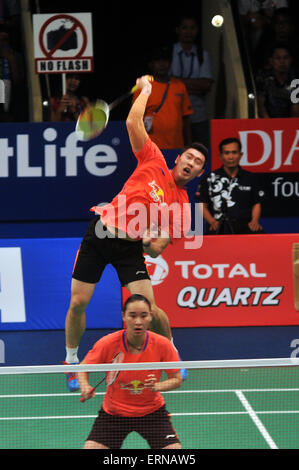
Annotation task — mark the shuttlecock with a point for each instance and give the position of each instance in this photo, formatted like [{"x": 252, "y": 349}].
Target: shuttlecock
[{"x": 217, "y": 21}]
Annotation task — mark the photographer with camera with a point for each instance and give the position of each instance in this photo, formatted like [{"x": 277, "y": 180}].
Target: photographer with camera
[
  {"x": 231, "y": 196},
  {"x": 70, "y": 105}
]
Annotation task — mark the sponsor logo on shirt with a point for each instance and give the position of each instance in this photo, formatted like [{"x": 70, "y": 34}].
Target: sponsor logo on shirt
[
  {"x": 135, "y": 387},
  {"x": 157, "y": 193}
]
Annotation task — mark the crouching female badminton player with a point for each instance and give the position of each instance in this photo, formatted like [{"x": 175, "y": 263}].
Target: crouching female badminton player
[{"x": 133, "y": 401}]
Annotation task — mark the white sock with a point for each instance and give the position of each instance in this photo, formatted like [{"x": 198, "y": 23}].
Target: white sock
[{"x": 71, "y": 355}]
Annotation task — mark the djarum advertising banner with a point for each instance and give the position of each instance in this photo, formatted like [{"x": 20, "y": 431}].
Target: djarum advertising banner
[{"x": 271, "y": 149}]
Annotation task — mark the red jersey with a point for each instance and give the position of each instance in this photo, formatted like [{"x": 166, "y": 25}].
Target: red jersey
[
  {"x": 127, "y": 395},
  {"x": 150, "y": 194}
]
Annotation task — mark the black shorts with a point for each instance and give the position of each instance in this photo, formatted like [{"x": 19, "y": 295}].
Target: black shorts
[
  {"x": 155, "y": 428},
  {"x": 96, "y": 252}
]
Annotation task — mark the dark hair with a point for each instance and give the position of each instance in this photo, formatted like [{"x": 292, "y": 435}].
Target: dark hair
[
  {"x": 280, "y": 45},
  {"x": 283, "y": 11},
  {"x": 161, "y": 51},
  {"x": 200, "y": 147},
  {"x": 198, "y": 41},
  {"x": 136, "y": 298},
  {"x": 73, "y": 75},
  {"x": 230, "y": 140}
]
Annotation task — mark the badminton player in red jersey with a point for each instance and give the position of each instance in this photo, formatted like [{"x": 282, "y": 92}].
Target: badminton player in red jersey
[
  {"x": 112, "y": 236},
  {"x": 134, "y": 401}
]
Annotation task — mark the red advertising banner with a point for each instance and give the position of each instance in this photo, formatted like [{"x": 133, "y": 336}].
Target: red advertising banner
[
  {"x": 269, "y": 145},
  {"x": 270, "y": 148},
  {"x": 240, "y": 280}
]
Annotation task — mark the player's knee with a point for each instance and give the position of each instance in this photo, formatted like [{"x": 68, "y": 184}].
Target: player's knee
[
  {"x": 78, "y": 303},
  {"x": 158, "y": 314},
  {"x": 160, "y": 323},
  {"x": 176, "y": 445},
  {"x": 94, "y": 445}
]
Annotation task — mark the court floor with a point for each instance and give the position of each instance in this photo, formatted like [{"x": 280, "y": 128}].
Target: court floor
[{"x": 255, "y": 408}]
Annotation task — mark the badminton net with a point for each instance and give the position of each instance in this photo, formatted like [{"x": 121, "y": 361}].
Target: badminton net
[{"x": 236, "y": 404}]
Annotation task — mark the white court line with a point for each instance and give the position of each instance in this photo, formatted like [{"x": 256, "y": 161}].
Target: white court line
[
  {"x": 47, "y": 395},
  {"x": 28, "y": 418},
  {"x": 256, "y": 420},
  {"x": 199, "y": 413},
  {"x": 68, "y": 394},
  {"x": 234, "y": 390},
  {"x": 39, "y": 418}
]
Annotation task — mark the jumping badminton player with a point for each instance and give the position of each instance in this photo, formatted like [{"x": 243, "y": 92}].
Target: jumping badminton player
[
  {"x": 133, "y": 402},
  {"x": 152, "y": 183}
]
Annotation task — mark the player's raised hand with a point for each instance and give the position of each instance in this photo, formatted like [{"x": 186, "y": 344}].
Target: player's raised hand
[{"x": 144, "y": 84}]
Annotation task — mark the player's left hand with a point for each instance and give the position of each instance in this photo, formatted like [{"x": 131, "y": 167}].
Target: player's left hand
[
  {"x": 87, "y": 392},
  {"x": 150, "y": 382}
]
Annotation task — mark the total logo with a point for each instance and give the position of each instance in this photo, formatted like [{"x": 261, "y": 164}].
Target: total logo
[
  {"x": 157, "y": 268},
  {"x": 201, "y": 295}
]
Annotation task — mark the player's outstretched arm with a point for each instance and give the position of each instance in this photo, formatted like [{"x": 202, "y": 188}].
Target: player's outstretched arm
[{"x": 135, "y": 126}]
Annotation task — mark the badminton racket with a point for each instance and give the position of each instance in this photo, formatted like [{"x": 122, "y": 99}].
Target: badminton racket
[
  {"x": 110, "y": 377},
  {"x": 94, "y": 118}
]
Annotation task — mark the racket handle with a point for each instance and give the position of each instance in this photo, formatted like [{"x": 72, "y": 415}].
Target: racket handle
[
  {"x": 135, "y": 87},
  {"x": 90, "y": 391}
]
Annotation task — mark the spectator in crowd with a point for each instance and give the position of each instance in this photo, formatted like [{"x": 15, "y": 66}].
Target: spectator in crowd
[
  {"x": 246, "y": 7},
  {"x": 10, "y": 15},
  {"x": 274, "y": 86},
  {"x": 70, "y": 105},
  {"x": 11, "y": 74},
  {"x": 255, "y": 26},
  {"x": 231, "y": 196},
  {"x": 280, "y": 30},
  {"x": 168, "y": 110},
  {"x": 191, "y": 63}
]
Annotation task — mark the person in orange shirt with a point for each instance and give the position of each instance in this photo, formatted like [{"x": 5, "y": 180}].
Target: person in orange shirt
[
  {"x": 168, "y": 108},
  {"x": 133, "y": 402},
  {"x": 118, "y": 237}
]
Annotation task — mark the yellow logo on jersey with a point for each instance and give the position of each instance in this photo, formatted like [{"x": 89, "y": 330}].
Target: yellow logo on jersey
[
  {"x": 135, "y": 387},
  {"x": 157, "y": 193}
]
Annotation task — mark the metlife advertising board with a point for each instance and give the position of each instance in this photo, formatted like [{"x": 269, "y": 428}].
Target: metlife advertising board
[
  {"x": 240, "y": 280},
  {"x": 47, "y": 173},
  {"x": 271, "y": 149}
]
